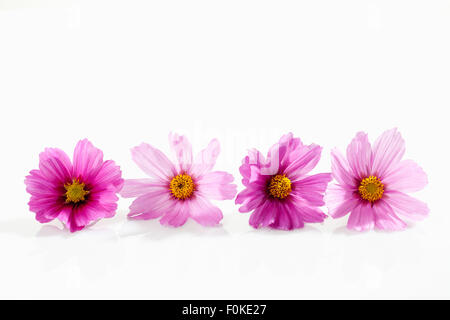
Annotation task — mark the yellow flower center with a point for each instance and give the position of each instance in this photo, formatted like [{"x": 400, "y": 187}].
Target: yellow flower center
[
  {"x": 371, "y": 189},
  {"x": 279, "y": 186},
  {"x": 75, "y": 191},
  {"x": 182, "y": 186}
]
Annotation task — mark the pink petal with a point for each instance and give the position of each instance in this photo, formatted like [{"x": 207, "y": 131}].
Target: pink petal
[
  {"x": 55, "y": 165},
  {"x": 362, "y": 217},
  {"x": 305, "y": 212},
  {"x": 206, "y": 159},
  {"x": 108, "y": 175},
  {"x": 385, "y": 217},
  {"x": 387, "y": 152},
  {"x": 312, "y": 188},
  {"x": 305, "y": 161},
  {"x": 341, "y": 170},
  {"x": 406, "y": 205},
  {"x": 283, "y": 218},
  {"x": 183, "y": 151},
  {"x": 340, "y": 200},
  {"x": 264, "y": 215},
  {"x": 153, "y": 162},
  {"x": 407, "y": 176},
  {"x": 217, "y": 186},
  {"x": 250, "y": 199},
  {"x": 177, "y": 216},
  {"x": 87, "y": 160},
  {"x": 137, "y": 187},
  {"x": 152, "y": 204},
  {"x": 359, "y": 156},
  {"x": 203, "y": 212}
]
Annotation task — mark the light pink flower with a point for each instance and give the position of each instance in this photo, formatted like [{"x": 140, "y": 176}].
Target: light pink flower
[
  {"x": 77, "y": 194},
  {"x": 372, "y": 183},
  {"x": 278, "y": 189},
  {"x": 178, "y": 191}
]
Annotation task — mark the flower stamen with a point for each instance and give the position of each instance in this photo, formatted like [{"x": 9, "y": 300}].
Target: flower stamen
[
  {"x": 279, "y": 186},
  {"x": 75, "y": 191},
  {"x": 182, "y": 186},
  {"x": 371, "y": 189}
]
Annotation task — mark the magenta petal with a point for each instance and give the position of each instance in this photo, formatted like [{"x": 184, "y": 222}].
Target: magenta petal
[
  {"x": 359, "y": 156},
  {"x": 202, "y": 211},
  {"x": 283, "y": 218},
  {"x": 407, "y": 206},
  {"x": 264, "y": 215},
  {"x": 387, "y": 152},
  {"x": 385, "y": 217},
  {"x": 55, "y": 165},
  {"x": 183, "y": 151},
  {"x": 407, "y": 176},
  {"x": 206, "y": 159},
  {"x": 153, "y": 162},
  {"x": 108, "y": 175},
  {"x": 362, "y": 217},
  {"x": 217, "y": 186},
  {"x": 87, "y": 160}
]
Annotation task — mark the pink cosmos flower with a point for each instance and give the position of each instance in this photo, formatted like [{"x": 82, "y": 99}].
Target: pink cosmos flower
[
  {"x": 278, "y": 189},
  {"x": 372, "y": 184},
  {"x": 178, "y": 191},
  {"x": 77, "y": 194}
]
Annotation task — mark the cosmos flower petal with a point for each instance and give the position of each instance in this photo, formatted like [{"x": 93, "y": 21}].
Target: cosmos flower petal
[
  {"x": 385, "y": 217},
  {"x": 87, "y": 160},
  {"x": 153, "y": 162},
  {"x": 407, "y": 176},
  {"x": 264, "y": 215},
  {"x": 137, "y": 187},
  {"x": 304, "y": 163},
  {"x": 108, "y": 175},
  {"x": 217, "y": 185},
  {"x": 312, "y": 188},
  {"x": 156, "y": 202},
  {"x": 206, "y": 159},
  {"x": 183, "y": 151},
  {"x": 203, "y": 212},
  {"x": 388, "y": 150},
  {"x": 339, "y": 200},
  {"x": 55, "y": 165},
  {"x": 359, "y": 156},
  {"x": 362, "y": 217},
  {"x": 407, "y": 206},
  {"x": 341, "y": 170},
  {"x": 283, "y": 219},
  {"x": 177, "y": 216}
]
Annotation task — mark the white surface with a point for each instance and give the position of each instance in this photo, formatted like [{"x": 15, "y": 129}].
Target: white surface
[{"x": 245, "y": 72}]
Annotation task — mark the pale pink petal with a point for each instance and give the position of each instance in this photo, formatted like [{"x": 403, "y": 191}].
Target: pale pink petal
[
  {"x": 183, "y": 151},
  {"x": 55, "y": 165},
  {"x": 203, "y": 212},
  {"x": 206, "y": 159},
  {"x": 359, "y": 156},
  {"x": 304, "y": 163},
  {"x": 362, "y": 217},
  {"x": 385, "y": 217},
  {"x": 177, "y": 216},
  {"x": 407, "y": 176},
  {"x": 407, "y": 206},
  {"x": 312, "y": 188},
  {"x": 87, "y": 160},
  {"x": 388, "y": 150},
  {"x": 153, "y": 204},
  {"x": 340, "y": 200},
  {"x": 216, "y": 185},
  {"x": 153, "y": 162},
  {"x": 137, "y": 187},
  {"x": 341, "y": 170}
]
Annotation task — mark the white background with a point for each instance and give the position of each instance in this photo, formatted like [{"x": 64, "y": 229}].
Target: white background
[{"x": 245, "y": 72}]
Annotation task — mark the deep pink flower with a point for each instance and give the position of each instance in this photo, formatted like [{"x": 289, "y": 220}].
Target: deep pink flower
[
  {"x": 278, "y": 189},
  {"x": 176, "y": 192},
  {"x": 372, "y": 184},
  {"x": 77, "y": 194}
]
